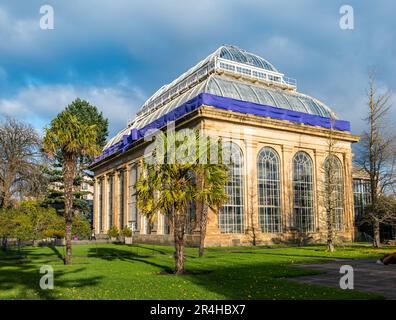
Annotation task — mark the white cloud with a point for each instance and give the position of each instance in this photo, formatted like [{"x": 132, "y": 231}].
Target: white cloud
[
  {"x": 39, "y": 104},
  {"x": 17, "y": 34}
]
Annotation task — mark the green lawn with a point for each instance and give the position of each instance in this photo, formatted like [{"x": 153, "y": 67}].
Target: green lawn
[{"x": 140, "y": 272}]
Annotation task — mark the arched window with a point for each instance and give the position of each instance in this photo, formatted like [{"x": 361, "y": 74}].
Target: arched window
[
  {"x": 303, "y": 192},
  {"x": 268, "y": 183},
  {"x": 231, "y": 215},
  {"x": 334, "y": 191}
]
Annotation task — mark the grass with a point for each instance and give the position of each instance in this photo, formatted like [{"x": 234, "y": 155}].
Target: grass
[{"x": 141, "y": 272}]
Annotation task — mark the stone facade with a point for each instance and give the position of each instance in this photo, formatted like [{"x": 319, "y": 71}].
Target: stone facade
[{"x": 251, "y": 133}]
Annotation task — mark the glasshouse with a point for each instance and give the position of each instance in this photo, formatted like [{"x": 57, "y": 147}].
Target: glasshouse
[{"x": 279, "y": 143}]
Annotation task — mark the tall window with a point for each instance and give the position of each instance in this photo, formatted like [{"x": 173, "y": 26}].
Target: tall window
[
  {"x": 190, "y": 217},
  {"x": 167, "y": 224},
  {"x": 190, "y": 220},
  {"x": 361, "y": 195},
  {"x": 303, "y": 192},
  {"x": 269, "y": 190},
  {"x": 334, "y": 185},
  {"x": 110, "y": 202},
  {"x": 121, "y": 198},
  {"x": 133, "y": 216},
  {"x": 100, "y": 206},
  {"x": 231, "y": 215}
]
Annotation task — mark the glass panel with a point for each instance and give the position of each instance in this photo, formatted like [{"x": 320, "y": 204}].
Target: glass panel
[
  {"x": 264, "y": 97},
  {"x": 361, "y": 195},
  {"x": 334, "y": 187},
  {"x": 282, "y": 102},
  {"x": 247, "y": 93},
  {"x": 228, "y": 89},
  {"x": 231, "y": 215},
  {"x": 296, "y": 103},
  {"x": 268, "y": 183},
  {"x": 214, "y": 87},
  {"x": 303, "y": 192},
  {"x": 133, "y": 217}
]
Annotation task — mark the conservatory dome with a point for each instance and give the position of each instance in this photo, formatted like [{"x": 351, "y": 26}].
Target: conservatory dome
[
  {"x": 236, "y": 54},
  {"x": 233, "y": 73}
]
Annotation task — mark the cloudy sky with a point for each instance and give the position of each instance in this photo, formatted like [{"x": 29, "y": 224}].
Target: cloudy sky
[{"x": 117, "y": 53}]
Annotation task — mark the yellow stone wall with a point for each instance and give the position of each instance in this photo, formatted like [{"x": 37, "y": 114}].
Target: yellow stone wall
[{"x": 251, "y": 133}]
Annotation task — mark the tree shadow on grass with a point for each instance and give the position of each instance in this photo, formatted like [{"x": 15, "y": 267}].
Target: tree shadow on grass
[
  {"x": 145, "y": 247},
  {"x": 266, "y": 281},
  {"x": 57, "y": 252},
  {"x": 111, "y": 254},
  {"x": 25, "y": 281}
]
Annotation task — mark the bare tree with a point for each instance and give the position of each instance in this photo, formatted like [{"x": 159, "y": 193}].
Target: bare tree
[
  {"x": 252, "y": 229},
  {"x": 20, "y": 158},
  {"x": 377, "y": 155},
  {"x": 331, "y": 189}
]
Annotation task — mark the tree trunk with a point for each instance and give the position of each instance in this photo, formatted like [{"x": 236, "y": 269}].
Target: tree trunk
[
  {"x": 6, "y": 196},
  {"x": 330, "y": 246},
  {"x": 376, "y": 231},
  {"x": 330, "y": 234},
  {"x": 69, "y": 169},
  {"x": 254, "y": 236},
  {"x": 4, "y": 243},
  {"x": 179, "y": 244},
  {"x": 6, "y": 200},
  {"x": 202, "y": 229}
]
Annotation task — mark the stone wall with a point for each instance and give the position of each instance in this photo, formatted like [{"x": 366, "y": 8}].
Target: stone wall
[{"x": 251, "y": 134}]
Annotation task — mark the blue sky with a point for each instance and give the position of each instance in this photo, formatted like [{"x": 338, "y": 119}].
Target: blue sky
[{"x": 117, "y": 53}]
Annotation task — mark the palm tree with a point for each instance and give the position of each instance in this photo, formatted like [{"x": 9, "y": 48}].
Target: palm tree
[
  {"x": 169, "y": 187},
  {"x": 210, "y": 194},
  {"x": 71, "y": 139}
]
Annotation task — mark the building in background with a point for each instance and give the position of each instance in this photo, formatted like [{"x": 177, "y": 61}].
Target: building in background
[
  {"x": 362, "y": 200},
  {"x": 278, "y": 142}
]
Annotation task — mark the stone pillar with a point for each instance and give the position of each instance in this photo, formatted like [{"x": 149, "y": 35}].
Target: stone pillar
[
  {"x": 126, "y": 196},
  {"x": 96, "y": 206},
  {"x": 116, "y": 199},
  {"x": 212, "y": 227},
  {"x": 349, "y": 213},
  {"x": 319, "y": 194},
  {"x": 250, "y": 183},
  {"x": 160, "y": 223},
  {"x": 105, "y": 197},
  {"x": 286, "y": 173},
  {"x": 142, "y": 220}
]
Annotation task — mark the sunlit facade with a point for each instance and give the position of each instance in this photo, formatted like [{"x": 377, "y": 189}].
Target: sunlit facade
[{"x": 278, "y": 145}]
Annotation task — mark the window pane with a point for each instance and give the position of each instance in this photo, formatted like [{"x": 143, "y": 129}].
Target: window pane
[
  {"x": 268, "y": 191},
  {"x": 334, "y": 185},
  {"x": 303, "y": 192},
  {"x": 231, "y": 215}
]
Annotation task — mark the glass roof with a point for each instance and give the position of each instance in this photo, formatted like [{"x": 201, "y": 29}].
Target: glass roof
[
  {"x": 208, "y": 76},
  {"x": 232, "y": 88},
  {"x": 239, "y": 55},
  {"x": 209, "y": 65}
]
